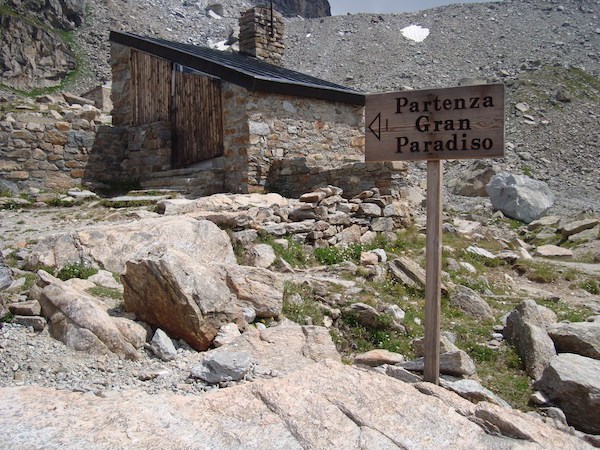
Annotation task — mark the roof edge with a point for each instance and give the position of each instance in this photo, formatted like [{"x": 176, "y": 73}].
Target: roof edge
[{"x": 236, "y": 76}]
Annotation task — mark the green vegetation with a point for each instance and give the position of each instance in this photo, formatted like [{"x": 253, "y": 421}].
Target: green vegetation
[
  {"x": 300, "y": 306},
  {"x": 336, "y": 255},
  {"x": 59, "y": 202},
  {"x": 527, "y": 171},
  {"x": 591, "y": 286},
  {"x": 105, "y": 292},
  {"x": 11, "y": 206},
  {"x": 6, "y": 318},
  {"x": 76, "y": 270},
  {"x": 566, "y": 312},
  {"x": 575, "y": 81},
  {"x": 537, "y": 272}
]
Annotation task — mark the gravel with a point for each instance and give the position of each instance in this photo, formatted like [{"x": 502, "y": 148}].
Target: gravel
[{"x": 31, "y": 358}]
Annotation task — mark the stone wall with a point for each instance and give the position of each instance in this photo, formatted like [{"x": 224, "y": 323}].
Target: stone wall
[
  {"x": 235, "y": 137},
  {"x": 120, "y": 62},
  {"x": 326, "y": 134},
  {"x": 293, "y": 177},
  {"x": 46, "y": 148},
  {"x": 261, "y": 128},
  {"x": 148, "y": 150},
  {"x": 129, "y": 153}
]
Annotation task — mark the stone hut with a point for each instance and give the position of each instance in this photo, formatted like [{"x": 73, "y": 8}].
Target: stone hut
[{"x": 211, "y": 121}]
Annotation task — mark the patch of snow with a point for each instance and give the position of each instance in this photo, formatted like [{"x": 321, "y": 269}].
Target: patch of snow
[{"x": 415, "y": 33}]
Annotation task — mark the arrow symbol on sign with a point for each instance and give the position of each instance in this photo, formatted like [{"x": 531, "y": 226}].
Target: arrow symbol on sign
[{"x": 378, "y": 132}]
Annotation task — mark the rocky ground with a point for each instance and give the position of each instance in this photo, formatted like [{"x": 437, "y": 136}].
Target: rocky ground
[
  {"x": 347, "y": 273},
  {"x": 362, "y": 304}
]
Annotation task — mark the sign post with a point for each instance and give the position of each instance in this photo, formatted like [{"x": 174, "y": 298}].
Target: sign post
[{"x": 433, "y": 125}]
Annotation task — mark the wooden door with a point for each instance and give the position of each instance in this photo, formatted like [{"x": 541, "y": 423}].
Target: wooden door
[
  {"x": 197, "y": 118},
  {"x": 150, "y": 88}
]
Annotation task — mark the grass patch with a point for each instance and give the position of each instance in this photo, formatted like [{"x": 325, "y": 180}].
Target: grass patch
[
  {"x": 591, "y": 286},
  {"x": 100, "y": 291},
  {"x": 336, "y": 255},
  {"x": 6, "y": 318},
  {"x": 566, "y": 312},
  {"x": 537, "y": 272},
  {"x": 293, "y": 253},
  {"x": 300, "y": 306},
  {"x": 76, "y": 270},
  {"x": 498, "y": 368},
  {"x": 60, "y": 203}
]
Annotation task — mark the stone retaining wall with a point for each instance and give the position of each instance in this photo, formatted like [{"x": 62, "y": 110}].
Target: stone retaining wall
[
  {"x": 45, "y": 148},
  {"x": 293, "y": 177}
]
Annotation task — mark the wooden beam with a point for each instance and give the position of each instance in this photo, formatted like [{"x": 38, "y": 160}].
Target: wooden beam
[{"x": 434, "y": 271}]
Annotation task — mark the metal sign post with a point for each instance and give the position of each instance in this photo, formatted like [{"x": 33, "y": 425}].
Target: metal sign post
[{"x": 433, "y": 125}]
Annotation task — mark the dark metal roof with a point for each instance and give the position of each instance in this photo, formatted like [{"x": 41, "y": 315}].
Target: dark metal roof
[{"x": 245, "y": 71}]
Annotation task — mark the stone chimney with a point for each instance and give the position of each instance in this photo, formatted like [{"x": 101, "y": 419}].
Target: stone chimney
[{"x": 261, "y": 34}]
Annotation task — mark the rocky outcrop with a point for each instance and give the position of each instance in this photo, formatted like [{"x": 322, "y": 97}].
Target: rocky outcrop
[
  {"x": 76, "y": 319},
  {"x": 321, "y": 217},
  {"x": 526, "y": 330},
  {"x": 192, "y": 301},
  {"x": 61, "y": 14},
  {"x": 456, "y": 363},
  {"x": 284, "y": 348},
  {"x": 325, "y": 405},
  {"x": 33, "y": 53},
  {"x": 519, "y": 196},
  {"x": 573, "y": 383},
  {"x": 309, "y": 9},
  {"x": 111, "y": 246}
]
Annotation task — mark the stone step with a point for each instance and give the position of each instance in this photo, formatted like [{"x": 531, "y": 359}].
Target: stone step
[
  {"x": 171, "y": 183},
  {"x": 204, "y": 166}
]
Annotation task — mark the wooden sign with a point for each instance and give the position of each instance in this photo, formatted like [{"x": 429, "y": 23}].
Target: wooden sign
[
  {"x": 433, "y": 125},
  {"x": 453, "y": 123}
]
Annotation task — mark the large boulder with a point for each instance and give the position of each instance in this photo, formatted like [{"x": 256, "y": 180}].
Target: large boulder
[
  {"x": 192, "y": 301},
  {"x": 469, "y": 302},
  {"x": 76, "y": 319},
  {"x": 526, "y": 330},
  {"x": 473, "y": 180},
  {"x": 573, "y": 383},
  {"x": 111, "y": 246},
  {"x": 582, "y": 338},
  {"x": 325, "y": 405},
  {"x": 519, "y": 196}
]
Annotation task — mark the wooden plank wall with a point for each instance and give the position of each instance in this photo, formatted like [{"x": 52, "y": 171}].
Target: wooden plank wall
[
  {"x": 198, "y": 119},
  {"x": 151, "y": 88}
]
